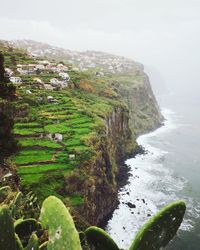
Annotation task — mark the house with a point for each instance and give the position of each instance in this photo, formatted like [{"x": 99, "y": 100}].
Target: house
[
  {"x": 44, "y": 62},
  {"x": 63, "y": 84},
  {"x": 99, "y": 74},
  {"x": 38, "y": 80},
  {"x": 48, "y": 87},
  {"x": 15, "y": 79},
  {"x": 62, "y": 68},
  {"x": 51, "y": 99},
  {"x": 64, "y": 76},
  {"x": 71, "y": 157},
  {"x": 58, "y": 137},
  {"x": 28, "y": 92},
  {"x": 54, "y": 82},
  {"x": 40, "y": 66},
  {"x": 8, "y": 72}
]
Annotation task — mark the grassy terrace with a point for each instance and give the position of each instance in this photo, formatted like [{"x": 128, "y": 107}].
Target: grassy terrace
[{"x": 43, "y": 162}]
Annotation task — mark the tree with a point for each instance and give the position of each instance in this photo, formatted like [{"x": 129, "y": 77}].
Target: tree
[
  {"x": 8, "y": 143},
  {"x": 2, "y": 70},
  {"x": 7, "y": 90}
]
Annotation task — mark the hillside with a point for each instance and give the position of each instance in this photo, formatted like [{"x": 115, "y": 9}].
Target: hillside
[{"x": 75, "y": 126}]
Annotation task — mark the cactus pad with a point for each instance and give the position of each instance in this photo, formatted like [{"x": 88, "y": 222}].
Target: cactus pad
[
  {"x": 25, "y": 228},
  {"x": 59, "y": 223},
  {"x": 33, "y": 243},
  {"x": 7, "y": 233},
  {"x": 161, "y": 228},
  {"x": 4, "y": 192},
  {"x": 16, "y": 203},
  {"x": 98, "y": 238}
]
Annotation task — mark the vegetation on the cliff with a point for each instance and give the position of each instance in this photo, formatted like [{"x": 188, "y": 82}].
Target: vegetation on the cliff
[{"x": 73, "y": 138}]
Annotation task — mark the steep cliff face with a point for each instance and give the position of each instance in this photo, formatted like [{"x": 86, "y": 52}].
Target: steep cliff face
[
  {"x": 144, "y": 111},
  {"x": 122, "y": 126},
  {"x": 112, "y": 147}
]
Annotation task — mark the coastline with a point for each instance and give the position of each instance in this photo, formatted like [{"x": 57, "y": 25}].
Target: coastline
[{"x": 125, "y": 171}]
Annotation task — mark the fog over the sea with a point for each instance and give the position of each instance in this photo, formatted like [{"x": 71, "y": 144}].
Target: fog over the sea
[{"x": 162, "y": 34}]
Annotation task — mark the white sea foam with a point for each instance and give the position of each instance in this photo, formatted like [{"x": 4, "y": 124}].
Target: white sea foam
[{"x": 151, "y": 186}]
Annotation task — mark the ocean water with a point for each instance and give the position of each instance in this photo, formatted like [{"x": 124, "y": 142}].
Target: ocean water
[{"x": 169, "y": 171}]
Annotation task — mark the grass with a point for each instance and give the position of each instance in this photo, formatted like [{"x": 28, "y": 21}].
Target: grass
[
  {"x": 31, "y": 156},
  {"x": 27, "y": 131},
  {"x": 42, "y": 163},
  {"x": 36, "y": 142}
]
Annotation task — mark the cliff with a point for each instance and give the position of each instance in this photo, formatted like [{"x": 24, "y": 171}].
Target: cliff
[
  {"x": 75, "y": 138},
  {"x": 144, "y": 111}
]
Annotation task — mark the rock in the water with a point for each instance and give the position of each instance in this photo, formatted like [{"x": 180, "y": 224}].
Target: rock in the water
[{"x": 131, "y": 205}]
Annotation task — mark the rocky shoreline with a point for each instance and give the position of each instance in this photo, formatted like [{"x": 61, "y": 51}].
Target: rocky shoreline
[{"x": 123, "y": 177}]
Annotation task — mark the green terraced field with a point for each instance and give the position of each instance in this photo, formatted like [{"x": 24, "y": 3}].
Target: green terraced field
[{"x": 41, "y": 157}]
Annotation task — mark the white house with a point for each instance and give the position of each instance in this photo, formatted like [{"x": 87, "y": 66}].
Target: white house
[
  {"x": 8, "y": 72},
  {"x": 99, "y": 74},
  {"x": 40, "y": 66},
  {"x": 64, "y": 76},
  {"x": 51, "y": 99},
  {"x": 63, "y": 84},
  {"x": 28, "y": 92},
  {"x": 38, "y": 80},
  {"x": 62, "y": 68},
  {"x": 48, "y": 87},
  {"x": 58, "y": 137},
  {"x": 71, "y": 157},
  {"x": 54, "y": 82},
  {"x": 15, "y": 79}
]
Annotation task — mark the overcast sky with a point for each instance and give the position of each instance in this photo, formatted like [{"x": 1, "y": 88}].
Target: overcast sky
[{"x": 164, "y": 34}]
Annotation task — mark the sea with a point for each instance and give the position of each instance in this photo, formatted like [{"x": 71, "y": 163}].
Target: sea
[{"x": 168, "y": 171}]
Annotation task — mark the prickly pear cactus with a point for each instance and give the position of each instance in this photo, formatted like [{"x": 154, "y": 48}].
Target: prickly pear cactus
[
  {"x": 161, "y": 228},
  {"x": 59, "y": 223},
  {"x": 98, "y": 238},
  {"x": 16, "y": 203},
  {"x": 25, "y": 228},
  {"x": 7, "y": 232},
  {"x": 33, "y": 243},
  {"x": 18, "y": 243},
  {"x": 4, "y": 192}
]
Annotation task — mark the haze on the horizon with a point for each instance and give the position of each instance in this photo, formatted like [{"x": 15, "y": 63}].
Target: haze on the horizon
[{"x": 162, "y": 34}]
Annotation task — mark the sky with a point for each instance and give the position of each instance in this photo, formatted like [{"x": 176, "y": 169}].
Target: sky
[{"x": 164, "y": 35}]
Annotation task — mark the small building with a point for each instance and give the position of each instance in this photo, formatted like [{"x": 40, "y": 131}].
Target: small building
[
  {"x": 99, "y": 74},
  {"x": 54, "y": 82},
  {"x": 28, "y": 92},
  {"x": 72, "y": 157},
  {"x": 58, "y": 137},
  {"x": 38, "y": 80},
  {"x": 64, "y": 76},
  {"x": 15, "y": 79},
  {"x": 40, "y": 66},
  {"x": 62, "y": 68},
  {"x": 48, "y": 87},
  {"x": 51, "y": 99},
  {"x": 8, "y": 72},
  {"x": 63, "y": 84}
]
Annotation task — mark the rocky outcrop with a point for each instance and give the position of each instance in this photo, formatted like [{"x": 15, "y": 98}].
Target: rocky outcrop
[
  {"x": 118, "y": 141},
  {"x": 144, "y": 111},
  {"x": 100, "y": 190}
]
